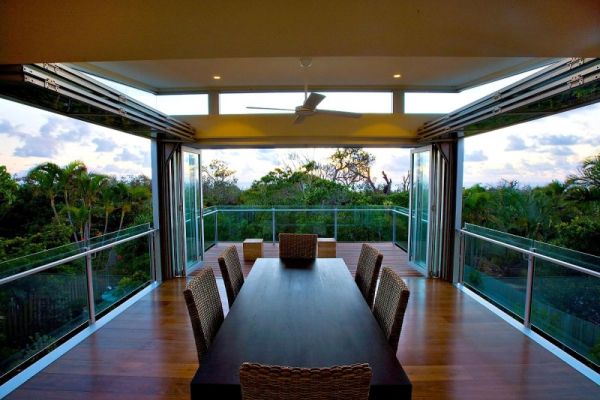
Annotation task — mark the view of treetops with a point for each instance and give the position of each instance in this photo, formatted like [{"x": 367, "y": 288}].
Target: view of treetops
[{"x": 72, "y": 204}]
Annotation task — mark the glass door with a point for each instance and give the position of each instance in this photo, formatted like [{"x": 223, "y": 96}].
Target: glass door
[
  {"x": 420, "y": 200},
  {"x": 192, "y": 209}
]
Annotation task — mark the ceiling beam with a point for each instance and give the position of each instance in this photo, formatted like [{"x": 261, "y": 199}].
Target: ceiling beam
[{"x": 319, "y": 130}]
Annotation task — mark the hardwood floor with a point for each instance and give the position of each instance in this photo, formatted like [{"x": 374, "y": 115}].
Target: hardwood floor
[
  {"x": 451, "y": 347},
  {"x": 392, "y": 256}
]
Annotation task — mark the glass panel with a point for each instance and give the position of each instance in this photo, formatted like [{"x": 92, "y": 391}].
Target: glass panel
[
  {"x": 496, "y": 272},
  {"x": 210, "y": 225},
  {"x": 191, "y": 188},
  {"x": 353, "y": 225},
  {"x": 401, "y": 227},
  {"x": 442, "y": 103},
  {"x": 300, "y": 221},
  {"x": 419, "y": 208},
  {"x": 25, "y": 263},
  {"x": 183, "y": 104},
  {"x": 365, "y": 225},
  {"x": 120, "y": 271},
  {"x": 37, "y": 310},
  {"x": 236, "y": 224},
  {"x": 566, "y": 307},
  {"x": 362, "y": 102}
]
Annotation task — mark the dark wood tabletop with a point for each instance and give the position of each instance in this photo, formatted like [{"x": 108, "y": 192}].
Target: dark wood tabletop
[{"x": 306, "y": 313}]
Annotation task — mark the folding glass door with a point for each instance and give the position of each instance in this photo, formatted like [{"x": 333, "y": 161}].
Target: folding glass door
[
  {"x": 420, "y": 201},
  {"x": 192, "y": 201}
]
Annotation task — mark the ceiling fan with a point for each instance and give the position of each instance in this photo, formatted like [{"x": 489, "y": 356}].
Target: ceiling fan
[{"x": 309, "y": 107}]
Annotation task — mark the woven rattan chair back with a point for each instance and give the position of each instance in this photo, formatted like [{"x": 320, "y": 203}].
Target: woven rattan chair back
[
  {"x": 344, "y": 382},
  {"x": 297, "y": 245},
  {"x": 231, "y": 270},
  {"x": 390, "y": 305},
  {"x": 367, "y": 271},
  {"x": 204, "y": 306}
]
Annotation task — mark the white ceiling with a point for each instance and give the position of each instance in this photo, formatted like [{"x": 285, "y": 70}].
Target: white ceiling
[{"x": 417, "y": 73}]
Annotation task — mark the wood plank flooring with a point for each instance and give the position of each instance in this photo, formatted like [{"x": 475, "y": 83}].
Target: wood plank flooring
[
  {"x": 451, "y": 347},
  {"x": 393, "y": 256}
]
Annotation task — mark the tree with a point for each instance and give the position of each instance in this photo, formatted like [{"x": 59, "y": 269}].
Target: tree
[
  {"x": 8, "y": 191},
  {"x": 351, "y": 166},
  {"x": 219, "y": 185},
  {"x": 588, "y": 175},
  {"x": 45, "y": 180}
]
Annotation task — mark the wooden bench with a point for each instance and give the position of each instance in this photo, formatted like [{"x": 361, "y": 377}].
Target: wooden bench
[
  {"x": 326, "y": 248},
  {"x": 253, "y": 249}
]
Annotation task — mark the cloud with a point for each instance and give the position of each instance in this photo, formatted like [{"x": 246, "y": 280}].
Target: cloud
[
  {"x": 476, "y": 156},
  {"x": 104, "y": 145},
  {"x": 515, "y": 143},
  {"x": 75, "y": 130},
  {"x": 559, "y": 140},
  {"x": 561, "y": 151},
  {"x": 65, "y": 129},
  {"x": 52, "y": 125},
  {"x": 6, "y": 126},
  {"x": 37, "y": 146},
  {"x": 129, "y": 156},
  {"x": 266, "y": 155}
]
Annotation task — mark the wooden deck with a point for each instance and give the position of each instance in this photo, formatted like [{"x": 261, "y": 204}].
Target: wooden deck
[
  {"x": 393, "y": 256},
  {"x": 451, "y": 347}
]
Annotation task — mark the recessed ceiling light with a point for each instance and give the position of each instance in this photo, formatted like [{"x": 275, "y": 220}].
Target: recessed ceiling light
[
  {"x": 216, "y": 77},
  {"x": 397, "y": 76}
]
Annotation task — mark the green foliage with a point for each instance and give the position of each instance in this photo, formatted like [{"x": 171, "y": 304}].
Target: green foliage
[
  {"x": 70, "y": 204},
  {"x": 8, "y": 191},
  {"x": 565, "y": 214}
]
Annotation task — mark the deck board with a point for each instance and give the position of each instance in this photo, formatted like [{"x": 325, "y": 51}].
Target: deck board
[
  {"x": 393, "y": 256},
  {"x": 451, "y": 347}
]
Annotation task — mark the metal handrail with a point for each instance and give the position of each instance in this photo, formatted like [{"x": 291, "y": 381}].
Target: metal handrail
[
  {"x": 301, "y": 209},
  {"x": 71, "y": 258},
  {"x": 534, "y": 254}
]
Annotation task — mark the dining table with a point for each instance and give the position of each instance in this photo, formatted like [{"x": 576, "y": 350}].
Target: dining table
[{"x": 300, "y": 313}]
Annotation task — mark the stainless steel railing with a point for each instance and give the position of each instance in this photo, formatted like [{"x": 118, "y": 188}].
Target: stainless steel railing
[
  {"x": 87, "y": 253},
  {"x": 531, "y": 257},
  {"x": 214, "y": 211}
]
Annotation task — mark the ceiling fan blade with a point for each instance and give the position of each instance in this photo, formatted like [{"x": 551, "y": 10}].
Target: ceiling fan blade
[
  {"x": 270, "y": 108},
  {"x": 299, "y": 119},
  {"x": 339, "y": 113},
  {"x": 313, "y": 101}
]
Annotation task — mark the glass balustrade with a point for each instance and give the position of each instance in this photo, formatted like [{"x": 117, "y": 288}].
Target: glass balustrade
[
  {"x": 364, "y": 224},
  {"x": 45, "y": 297},
  {"x": 564, "y": 304}
]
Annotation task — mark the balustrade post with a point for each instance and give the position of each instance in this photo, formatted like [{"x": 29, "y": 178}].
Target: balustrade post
[
  {"x": 335, "y": 223},
  {"x": 461, "y": 254},
  {"x": 90, "y": 287},
  {"x": 393, "y": 226},
  {"x": 529, "y": 289},
  {"x": 216, "y": 227},
  {"x": 152, "y": 239},
  {"x": 273, "y": 223}
]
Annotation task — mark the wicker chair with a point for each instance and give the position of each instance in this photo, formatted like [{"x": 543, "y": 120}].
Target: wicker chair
[
  {"x": 204, "y": 305},
  {"x": 297, "y": 245},
  {"x": 231, "y": 270},
  {"x": 390, "y": 305},
  {"x": 273, "y": 382},
  {"x": 367, "y": 271}
]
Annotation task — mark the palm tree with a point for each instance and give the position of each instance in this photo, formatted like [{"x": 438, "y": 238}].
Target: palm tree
[
  {"x": 108, "y": 201},
  {"x": 45, "y": 181},
  {"x": 90, "y": 186},
  {"x": 68, "y": 177},
  {"x": 588, "y": 175}
]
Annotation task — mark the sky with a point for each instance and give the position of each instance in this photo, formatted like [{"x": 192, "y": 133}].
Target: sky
[
  {"x": 29, "y": 136},
  {"x": 533, "y": 153}
]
